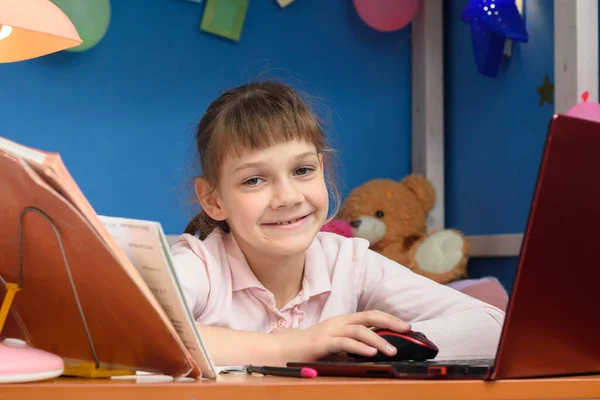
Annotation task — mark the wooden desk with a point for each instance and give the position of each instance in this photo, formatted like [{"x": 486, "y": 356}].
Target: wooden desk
[{"x": 234, "y": 387}]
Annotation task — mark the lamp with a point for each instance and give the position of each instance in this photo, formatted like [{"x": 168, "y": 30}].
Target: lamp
[
  {"x": 33, "y": 28},
  {"x": 30, "y": 29}
]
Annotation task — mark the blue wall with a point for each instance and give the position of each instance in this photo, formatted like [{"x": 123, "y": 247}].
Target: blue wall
[
  {"x": 122, "y": 114},
  {"x": 495, "y": 132}
]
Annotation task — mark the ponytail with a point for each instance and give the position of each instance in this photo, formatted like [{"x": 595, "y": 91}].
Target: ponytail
[{"x": 204, "y": 225}]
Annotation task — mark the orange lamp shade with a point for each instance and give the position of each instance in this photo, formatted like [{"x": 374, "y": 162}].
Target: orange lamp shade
[{"x": 33, "y": 28}]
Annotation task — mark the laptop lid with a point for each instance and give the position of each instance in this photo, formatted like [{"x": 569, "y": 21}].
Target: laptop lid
[{"x": 552, "y": 324}]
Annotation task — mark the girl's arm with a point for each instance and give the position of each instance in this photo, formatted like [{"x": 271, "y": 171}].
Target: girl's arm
[
  {"x": 344, "y": 333},
  {"x": 460, "y": 325},
  {"x": 231, "y": 347}
]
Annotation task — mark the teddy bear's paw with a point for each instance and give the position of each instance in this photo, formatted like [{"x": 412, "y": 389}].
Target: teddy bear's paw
[{"x": 441, "y": 252}]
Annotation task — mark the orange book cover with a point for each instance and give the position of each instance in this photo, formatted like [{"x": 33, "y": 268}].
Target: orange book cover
[{"x": 126, "y": 323}]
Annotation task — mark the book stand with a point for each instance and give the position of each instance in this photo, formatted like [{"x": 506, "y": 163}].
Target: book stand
[{"x": 72, "y": 367}]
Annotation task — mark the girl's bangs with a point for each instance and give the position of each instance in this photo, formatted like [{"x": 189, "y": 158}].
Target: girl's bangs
[{"x": 263, "y": 131}]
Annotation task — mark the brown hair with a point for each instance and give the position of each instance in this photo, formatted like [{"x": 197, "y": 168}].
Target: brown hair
[{"x": 252, "y": 117}]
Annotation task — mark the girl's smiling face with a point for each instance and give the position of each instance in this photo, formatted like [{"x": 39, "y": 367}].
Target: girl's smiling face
[{"x": 275, "y": 200}]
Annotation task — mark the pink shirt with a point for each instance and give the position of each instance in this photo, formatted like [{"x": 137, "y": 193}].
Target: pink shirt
[{"x": 341, "y": 276}]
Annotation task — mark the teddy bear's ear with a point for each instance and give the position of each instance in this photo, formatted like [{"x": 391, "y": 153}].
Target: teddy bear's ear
[{"x": 422, "y": 188}]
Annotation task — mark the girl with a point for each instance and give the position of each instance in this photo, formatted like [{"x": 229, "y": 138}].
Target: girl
[{"x": 264, "y": 285}]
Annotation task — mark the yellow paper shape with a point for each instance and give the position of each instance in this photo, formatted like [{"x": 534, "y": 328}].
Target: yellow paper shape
[{"x": 285, "y": 3}]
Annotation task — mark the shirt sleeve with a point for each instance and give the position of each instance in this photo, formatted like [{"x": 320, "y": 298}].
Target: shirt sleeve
[
  {"x": 461, "y": 326},
  {"x": 192, "y": 273}
]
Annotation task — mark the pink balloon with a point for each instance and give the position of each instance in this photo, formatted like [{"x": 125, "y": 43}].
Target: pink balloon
[
  {"x": 386, "y": 15},
  {"x": 587, "y": 110}
]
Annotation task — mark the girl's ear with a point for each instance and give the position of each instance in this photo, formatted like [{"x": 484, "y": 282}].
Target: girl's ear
[{"x": 209, "y": 199}]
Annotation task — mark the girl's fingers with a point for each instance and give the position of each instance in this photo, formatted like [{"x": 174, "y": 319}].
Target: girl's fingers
[
  {"x": 347, "y": 345},
  {"x": 378, "y": 319},
  {"x": 366, "y": 336}
]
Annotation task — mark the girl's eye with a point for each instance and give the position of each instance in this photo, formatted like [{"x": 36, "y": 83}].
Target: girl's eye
[
  {"x": 303, "y": 171},
  {"x": 252, "y": 181}
]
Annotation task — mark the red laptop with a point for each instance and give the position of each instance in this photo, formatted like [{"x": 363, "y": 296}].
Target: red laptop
[{"x": 552, "y": 326}]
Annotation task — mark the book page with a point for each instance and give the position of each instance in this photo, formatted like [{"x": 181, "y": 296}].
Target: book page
[
  {"x": 146, "y": 246},
  {"x": 27, "y": 153}
]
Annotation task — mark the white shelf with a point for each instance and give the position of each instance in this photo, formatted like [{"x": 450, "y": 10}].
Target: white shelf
[{"x": 503, "y": 245}]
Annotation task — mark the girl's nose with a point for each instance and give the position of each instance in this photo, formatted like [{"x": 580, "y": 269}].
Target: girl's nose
[{"x": 286, "y": 195}]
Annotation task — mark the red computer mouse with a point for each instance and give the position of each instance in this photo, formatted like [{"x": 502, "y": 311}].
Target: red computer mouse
[{"x": 411, "y": 345}]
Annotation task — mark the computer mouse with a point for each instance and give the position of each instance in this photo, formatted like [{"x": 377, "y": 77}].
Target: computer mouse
[{"x": 410, "y": 345}]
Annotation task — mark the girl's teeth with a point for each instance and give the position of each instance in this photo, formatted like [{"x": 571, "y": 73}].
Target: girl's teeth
[{"x": 288, "y": 222}]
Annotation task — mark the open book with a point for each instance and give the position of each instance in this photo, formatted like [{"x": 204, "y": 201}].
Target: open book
[{"x": 127, "y": 309}]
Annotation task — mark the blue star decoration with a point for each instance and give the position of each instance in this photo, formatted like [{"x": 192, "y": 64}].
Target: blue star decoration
[{"x": 492, "y": 23}]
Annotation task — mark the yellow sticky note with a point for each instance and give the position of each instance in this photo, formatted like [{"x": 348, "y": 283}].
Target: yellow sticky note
[{"x": 285, "y": 3}]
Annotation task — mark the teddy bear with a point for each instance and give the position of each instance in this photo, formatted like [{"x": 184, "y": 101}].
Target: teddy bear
[{"x": 392, "y": 216}]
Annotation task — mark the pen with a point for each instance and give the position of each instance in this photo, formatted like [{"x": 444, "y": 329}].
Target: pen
[{"x": 282, "y": 371}]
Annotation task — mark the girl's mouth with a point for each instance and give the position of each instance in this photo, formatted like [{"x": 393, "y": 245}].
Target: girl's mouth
[{"x": 288, "y": 223}]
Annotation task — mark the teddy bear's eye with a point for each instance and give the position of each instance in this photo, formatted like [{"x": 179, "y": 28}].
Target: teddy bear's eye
[{"x": 379, "y": 214}]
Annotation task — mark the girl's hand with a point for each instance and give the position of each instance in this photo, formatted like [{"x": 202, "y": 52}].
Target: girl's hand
[{"x": 346, "y": 333}]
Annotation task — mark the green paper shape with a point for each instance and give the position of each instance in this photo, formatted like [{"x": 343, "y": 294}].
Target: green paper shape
[
  {"x": 91, "y": 18},
  {"x": 225, "y": 18}
]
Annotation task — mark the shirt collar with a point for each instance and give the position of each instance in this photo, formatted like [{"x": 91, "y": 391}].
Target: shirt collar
[
  {"x": 242, "y": 276},
  {"x": 316, "y": 276}
]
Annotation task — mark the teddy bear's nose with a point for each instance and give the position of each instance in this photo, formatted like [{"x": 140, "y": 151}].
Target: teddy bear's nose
[{"x": 355, "y": 223}]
